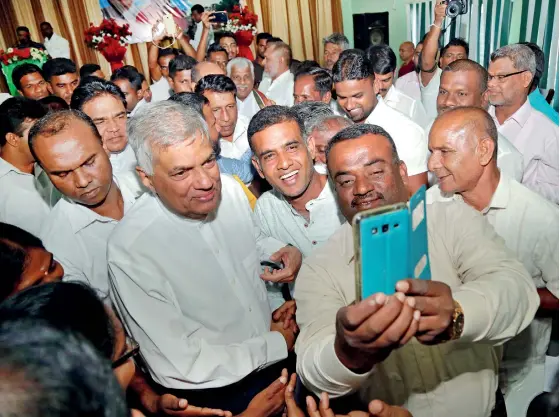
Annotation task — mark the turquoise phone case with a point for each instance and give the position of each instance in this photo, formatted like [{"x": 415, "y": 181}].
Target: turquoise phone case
[{"x": 391, "y": 243}]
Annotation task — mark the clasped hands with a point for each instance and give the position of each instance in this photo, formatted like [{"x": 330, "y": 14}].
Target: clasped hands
[{"x": 369, "y": 330}]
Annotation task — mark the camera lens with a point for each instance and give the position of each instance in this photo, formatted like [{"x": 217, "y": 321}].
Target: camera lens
[{"x": 453, "y": 9}]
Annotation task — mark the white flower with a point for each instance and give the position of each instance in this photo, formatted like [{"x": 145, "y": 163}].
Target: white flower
[{"x": 10, "y": 50}]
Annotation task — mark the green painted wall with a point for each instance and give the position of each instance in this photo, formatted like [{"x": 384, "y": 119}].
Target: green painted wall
[{"x": 397, "y": 18}]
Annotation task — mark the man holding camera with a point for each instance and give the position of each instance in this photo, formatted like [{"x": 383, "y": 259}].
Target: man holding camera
[{"x": 430, "y": 72}]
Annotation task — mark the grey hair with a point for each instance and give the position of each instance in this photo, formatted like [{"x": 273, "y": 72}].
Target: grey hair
[
  {"x": 521, "y": 56},
  {"x": 240, "y": 63},
  {"x": 161, "y": 125},
  {"x": 321, "y": 123},
  {"x": 310, "y": 110},
  {"x": 338, "y": 39}
]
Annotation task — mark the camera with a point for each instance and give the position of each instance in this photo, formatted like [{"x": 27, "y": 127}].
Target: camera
[{"x": 456, "y": 7}]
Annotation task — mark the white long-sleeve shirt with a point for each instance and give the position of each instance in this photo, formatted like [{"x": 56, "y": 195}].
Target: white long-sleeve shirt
[
  {"x": 280, "y": 90},
  {"x": 457, "y": 378},
  {"x": 407, "y": 105},
  {"x": 57, "y": 46},
  {"x": 189, "y": 291}
]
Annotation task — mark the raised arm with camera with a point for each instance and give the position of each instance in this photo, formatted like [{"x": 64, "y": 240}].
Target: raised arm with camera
[{"x": 428, "y": 57}]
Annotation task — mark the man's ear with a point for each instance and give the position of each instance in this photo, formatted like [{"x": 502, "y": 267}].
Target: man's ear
[
  {"x": 527, "y": 78},
  {"x": 327, "y": 97},
  {"x": 485, "y": 102},
  {"x": 49, "y": 88},
  {"x": 485, "y": 150},
  {"x": 257, "y": 166},
  {"x": 12, "y": 139},
  {"x": 376, "y": 86},
  {"x": 146, "y": 179},
  {"x": 311, "y": 146},
  {"x": 139, "y": 94}
]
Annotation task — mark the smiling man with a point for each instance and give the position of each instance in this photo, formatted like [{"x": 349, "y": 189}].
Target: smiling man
[
  {"x": 228, "y": 42},
  {"x": 189, "y": 251},
  {"x": 357, "y": 88},
  {"x": 249, "y": 100},
  {"x": 70, "y": 150},
  {"x": 62, "y": 75}
]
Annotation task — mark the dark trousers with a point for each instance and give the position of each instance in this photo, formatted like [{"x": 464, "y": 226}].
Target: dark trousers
[
  {"x": 236, "y": 397},
  {"x": 500, "y": 406}
]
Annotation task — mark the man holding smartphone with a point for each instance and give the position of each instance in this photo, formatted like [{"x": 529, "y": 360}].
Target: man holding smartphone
[{"x": 479, "y": 297}]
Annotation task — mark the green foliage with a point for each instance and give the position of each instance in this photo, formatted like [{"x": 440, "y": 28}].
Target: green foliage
[{"x": 226, "y": 5}]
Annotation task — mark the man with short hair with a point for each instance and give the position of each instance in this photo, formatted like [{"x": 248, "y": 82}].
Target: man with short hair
[
  {"x": 535, "y": 97},
  {"x": 384, "y": 65},
  {"x": 217, "y": 55},
  {"x": 130, "y": 83},
  {"x": 464, "y": 144},
  {"x": 479, "y": 296},
  {"x": 160, "y": 88},
  {"x": 406, "y": 53},
  {"x": 62, "y": 75},
  {"x": 190, "y": 251},
  {"x": 180, "y": 69},
  {"x": 464, "y": 83},
  {"x": 29, "y": 81},
  {"x": 510, "y": 75},
  {"x": 410, "y": 83},
  {"x": 249, "y": 100},
  {"x": 333, "y": 46},
  {"x": 356, "y": 90},
  {"x": 26, "y": 196},
  {"x": 322, "y": 129},
  {"x": 313, "y": 84},
  {"x": 56, "y": 45},
  {"x": 24, "y": 39},
  {"x": 105, "y": 103},
  {"x": 221, "y": 93},
  {"x": 197, "y": 14},
  {"x": 300, "y": 209},
  {"x": 228, "y": 42},
  {"x": 262, "y": 41},
  {"x": 430, "y": 72},
  {"x": 94, "y": 70},
  {"x": 69, "y": 148},
  {"x": 278, "y": 81}
]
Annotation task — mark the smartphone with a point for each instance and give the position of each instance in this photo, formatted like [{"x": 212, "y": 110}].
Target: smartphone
[
  {"x": 169, "y": 24},
  {"x": 220, "y": 17},
  {"x": 390, "y": 244}
]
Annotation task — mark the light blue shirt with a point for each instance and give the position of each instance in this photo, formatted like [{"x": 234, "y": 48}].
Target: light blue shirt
[
  {"x": 539, "y": 103},
  {"x": 241, "y": 167}
]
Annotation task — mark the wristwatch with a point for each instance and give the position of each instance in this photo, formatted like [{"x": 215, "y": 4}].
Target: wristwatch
[{"x": 455, "y": 329}]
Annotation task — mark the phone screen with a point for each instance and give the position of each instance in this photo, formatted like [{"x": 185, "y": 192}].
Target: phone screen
[{"x": 220, "y": 17}]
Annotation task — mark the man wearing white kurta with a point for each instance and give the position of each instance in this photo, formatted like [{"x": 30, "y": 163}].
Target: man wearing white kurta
[
  {"x": 56, "y": 45},
  {"x": 527, "y": 222},
  {"x": 184, "y": 267},
  {"x": 278, "y": 82}
]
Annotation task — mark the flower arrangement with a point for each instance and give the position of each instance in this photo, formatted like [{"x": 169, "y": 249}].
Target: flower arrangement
[
  {"x": 110, "y": 39},
  {"x": 12, "y": 55},
  {"x": 243, "y": 24}
]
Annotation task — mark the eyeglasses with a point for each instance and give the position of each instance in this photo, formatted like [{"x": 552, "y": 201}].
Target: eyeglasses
[
  {"x": 501, "y": 78},
  {"x": 132, "y": 350}
]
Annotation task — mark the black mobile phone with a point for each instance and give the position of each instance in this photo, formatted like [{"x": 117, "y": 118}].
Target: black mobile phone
[
  {"x": 220, "y": 17},
  {"x": 272, "y": 265}
]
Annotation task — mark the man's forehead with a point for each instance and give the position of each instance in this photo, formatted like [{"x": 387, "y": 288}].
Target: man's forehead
[{"x": 368, "y": 146}]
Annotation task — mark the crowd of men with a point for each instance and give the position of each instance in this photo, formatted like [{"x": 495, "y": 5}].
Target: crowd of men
[{"x": 193, "y": 233}]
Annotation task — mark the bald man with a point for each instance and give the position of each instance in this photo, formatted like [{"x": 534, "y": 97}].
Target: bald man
[
  {"x": 202, "y": 69},
  {"x": 463, "y": 142},
  {"x": 406, "y": 53}
]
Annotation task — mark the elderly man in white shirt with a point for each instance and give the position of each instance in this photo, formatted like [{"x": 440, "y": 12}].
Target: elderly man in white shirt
[
  {"x": 56, "y": 45},
  {"x": 70, "y": 150},
  {"x": 357, "y": 90},
  {"x": 221, "y": 92},
  {"x": 463, "y": 144},
  {"x": 249, "y": 101},
  {"x": 384, "y": 65},
  {"x": 464, "y": 83},
  {"x": 511, "y": 71},
  {"x": 184, "y": 268},
  {"x": 105, "y": 104},
  {"x": 430, "y": 72},
  {"x": 278, "y": 82},
  {"x": 25, "y": 194},
  {"x": 429, "y": 347}
]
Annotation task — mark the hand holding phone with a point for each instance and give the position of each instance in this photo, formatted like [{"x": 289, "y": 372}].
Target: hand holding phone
[{"x": 220, "y": 17}]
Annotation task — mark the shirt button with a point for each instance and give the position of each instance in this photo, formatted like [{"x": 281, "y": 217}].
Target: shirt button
[
  {"x": 314, "y": 242},
  {"x": 305, "y": 225}
]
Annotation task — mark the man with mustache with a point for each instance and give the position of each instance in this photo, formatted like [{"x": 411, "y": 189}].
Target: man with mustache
[
  {"x": 70, "y": 150},
  {"x": 249, "y": 100},
  {"x": 384, "y": 63},
  {"x": 479, "y": 296},
  {"x": 356, "y": 89}
]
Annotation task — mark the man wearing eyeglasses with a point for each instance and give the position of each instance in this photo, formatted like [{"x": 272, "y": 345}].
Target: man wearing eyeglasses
[{"x": 510, "y": 74}]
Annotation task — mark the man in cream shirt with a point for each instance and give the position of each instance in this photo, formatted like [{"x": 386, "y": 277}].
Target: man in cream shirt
[
  {"x": 356, "y": 90},
  {"x": 429, "y": 347},
  {"x": 71, "y": 152},
  {"x": 463, "y": 143},
  {"x": 278, "y": 82},
  {"x": 384, "y": 64},
  {"x": 511, "y": 72},
  {"x": 184, "y": 268}
]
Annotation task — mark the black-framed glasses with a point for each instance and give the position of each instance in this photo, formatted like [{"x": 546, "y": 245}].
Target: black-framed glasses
[
  {"x": 133, "y": 348},
  {"x": 501, "y": 78}
]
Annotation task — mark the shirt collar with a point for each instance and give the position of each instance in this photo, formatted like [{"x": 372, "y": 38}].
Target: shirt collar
[
  {"x": 377, "y": 113},
  {"x": 281, "y": 78},
  {"x": 240, "y": 127},
  {"x": 6, "y": 168},
  {"x": 392, "y": 95},
  {"x": 325, "y": 194},
  {"x": 500, "y": 199},
  {"x": 520, "y": 116}
]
